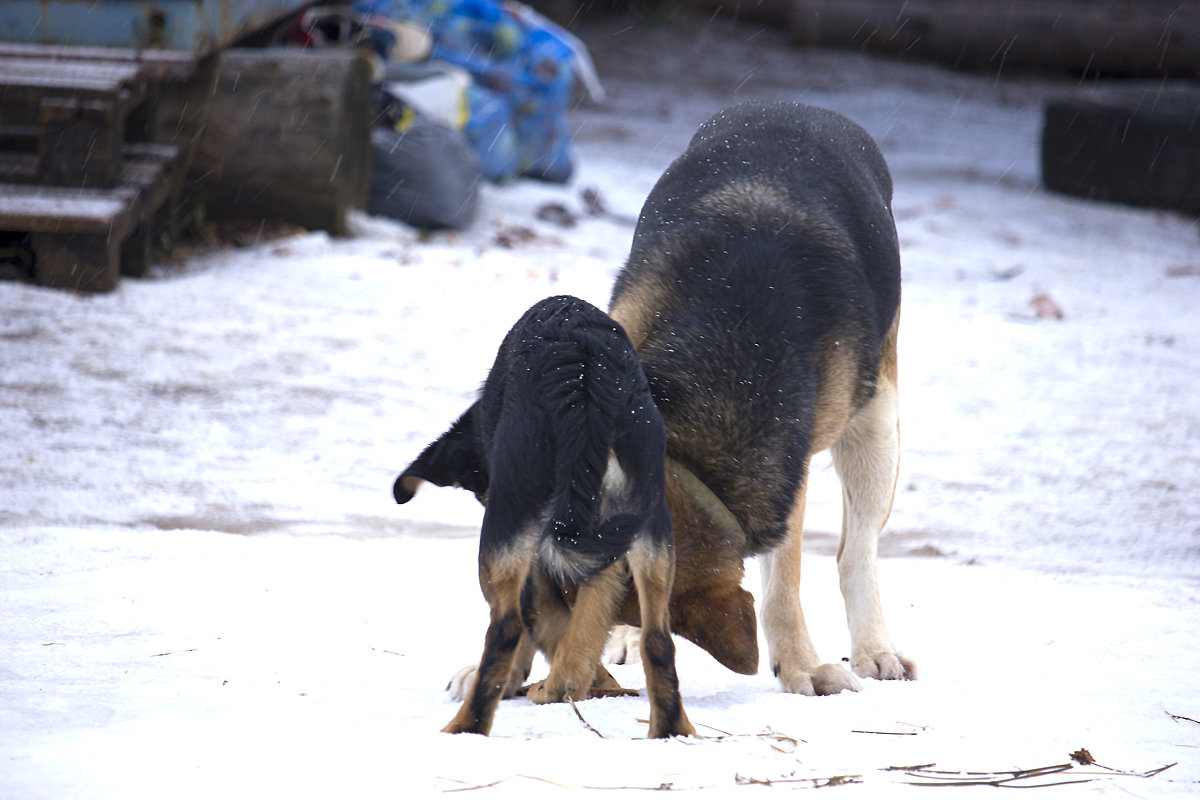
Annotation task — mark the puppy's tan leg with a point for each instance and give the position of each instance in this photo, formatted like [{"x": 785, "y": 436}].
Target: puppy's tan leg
[
  {"x": 867, "y": 459},
  {"x": 576, "y": 655},
  {"x": 502, "y": 582},
  {"x": 653, "y": 569},
  {"x": 464, "y": 679},
  {"x": 794, "y": 659}
]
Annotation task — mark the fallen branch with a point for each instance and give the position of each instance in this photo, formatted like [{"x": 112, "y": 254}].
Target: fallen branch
[
  {"x": 946, "y": 778},
  {"x": 586, "y": 724},
  {"x": 818, "y": 783},
  {"x": 722, "y": 735},
  {"x": 176, "y": 652},
  {"x": 1181, "y": 718},
  {"x": 497, "y": 783},
  {"x": 1022, "y": 778}
]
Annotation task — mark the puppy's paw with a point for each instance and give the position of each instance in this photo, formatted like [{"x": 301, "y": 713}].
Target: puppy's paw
[
  {"x": 823, "y": 680},
  {"x": 883, "y": 665},
  {"x": 624, "y": 645},
  {"x": 461, "y": 683},
  {"x": 542, "y": 694}
]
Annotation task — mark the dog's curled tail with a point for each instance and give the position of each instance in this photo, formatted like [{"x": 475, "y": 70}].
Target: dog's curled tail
[{"x": 588, "y": 387}]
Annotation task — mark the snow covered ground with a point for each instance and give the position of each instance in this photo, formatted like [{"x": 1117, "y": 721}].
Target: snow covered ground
[{"x": 206, "y": 588}]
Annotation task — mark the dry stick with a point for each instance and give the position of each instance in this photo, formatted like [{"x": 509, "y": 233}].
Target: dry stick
[
  {"x": 1083, "y": 757},
  {"x": 946, "y": 778},
  {"x": 819, "y": 783},
  {"x": 586, "y": 724},
  {"x": 389, "y": 652},
  {"x": 498, "y": 782},
  {"x": 473, "y": 788},
  {"x": 768, "y": 734},
  {"x": 1181, "y": 718}
]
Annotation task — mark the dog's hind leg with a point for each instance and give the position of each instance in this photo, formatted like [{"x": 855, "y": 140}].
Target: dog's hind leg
[
  {"x": 653, "y": 570},
  {"x": 794, "y": 659},
  {"x": 502, "y": 579},
  {"x": 576, "y": 655},
  {"x": 867, "y": 458}
]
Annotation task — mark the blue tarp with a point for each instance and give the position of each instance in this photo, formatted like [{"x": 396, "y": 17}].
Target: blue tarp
[{"x": 523, "y": 69}]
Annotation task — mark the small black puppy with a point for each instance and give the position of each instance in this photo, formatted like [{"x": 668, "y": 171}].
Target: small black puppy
[{"x": 566, "y": 449}]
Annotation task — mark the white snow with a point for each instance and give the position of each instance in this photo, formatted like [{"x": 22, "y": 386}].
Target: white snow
[{"x": 205, "y": 587}]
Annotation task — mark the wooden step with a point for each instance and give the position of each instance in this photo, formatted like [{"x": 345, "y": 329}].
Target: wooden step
[{"x": 84, "y": 238}]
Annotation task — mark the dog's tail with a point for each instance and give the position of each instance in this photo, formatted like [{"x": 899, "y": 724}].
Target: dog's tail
[{"x": 588, "y": 389}]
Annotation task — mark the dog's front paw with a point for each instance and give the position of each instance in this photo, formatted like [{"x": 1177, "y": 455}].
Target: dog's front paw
[
  {"x": 823, "y": 680},
  {"x": 542, "y": 694},
  {"x": 624, "y": 645},
  {"x": 883, "y": 665}
]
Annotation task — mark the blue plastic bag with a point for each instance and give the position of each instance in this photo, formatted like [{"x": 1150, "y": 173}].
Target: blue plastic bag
[{"x": 524, "y": 68}]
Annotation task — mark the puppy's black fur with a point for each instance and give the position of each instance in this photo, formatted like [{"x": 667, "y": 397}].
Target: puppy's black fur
[{"x": 566, "y": 449}]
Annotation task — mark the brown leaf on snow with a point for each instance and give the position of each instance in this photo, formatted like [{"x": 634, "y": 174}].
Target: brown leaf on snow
[
  {"x": 511, "y": 236},
  {"x": 558, "y": 214},
  {"x": 1045, "y": 307},
  {"x": 1183, "y": 271},
  {"x": 1082, "y": 756}
]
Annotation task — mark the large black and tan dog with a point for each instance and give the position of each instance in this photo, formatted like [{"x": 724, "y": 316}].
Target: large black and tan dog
[
  {"x": 566, "y": 450},
  {"x": 762, "y": 294}
]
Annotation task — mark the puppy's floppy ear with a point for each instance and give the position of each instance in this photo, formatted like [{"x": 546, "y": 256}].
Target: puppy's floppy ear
[{"x": 454, "y": 459}]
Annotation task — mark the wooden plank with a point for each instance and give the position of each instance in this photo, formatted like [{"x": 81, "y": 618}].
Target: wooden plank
[
  {"x": 145, "y": 183},
  {"x": 84, "y": 239},
  {"x": 18, "y": 167},
  {"x": 152, "y": 64},
  {"x": 57, "y": 209},
  {"x": 23, "y": 77},
  {"x": 79, "y": 262},
  {"x": 80, "y": 142}
]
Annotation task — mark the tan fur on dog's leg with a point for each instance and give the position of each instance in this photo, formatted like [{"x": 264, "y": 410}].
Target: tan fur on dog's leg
[
  {"x": 653, "y": 570},
  {"x": 794, "y": 659},
  {"x": 502, "y": 586},
  {"x": 576, "y": 655},
  {"x": 867, "y": 459}
]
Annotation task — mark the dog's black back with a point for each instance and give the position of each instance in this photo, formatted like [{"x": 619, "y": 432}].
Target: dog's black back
[
  {"x": 565, "y": 405},
  {"x": 764, "y": 271},
  {"x": 566, "y": 394}
]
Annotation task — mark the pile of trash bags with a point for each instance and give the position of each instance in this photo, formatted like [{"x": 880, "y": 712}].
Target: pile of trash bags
[{"x": 470, "y": 90}]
